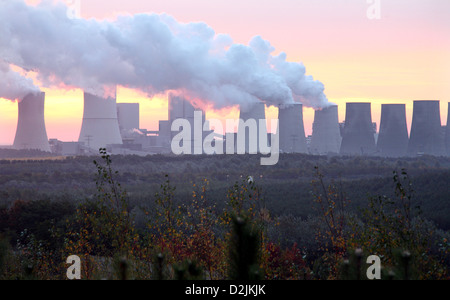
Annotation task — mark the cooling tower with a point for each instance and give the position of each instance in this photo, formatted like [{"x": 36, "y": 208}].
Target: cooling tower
[
  {"x": 447, "y": 132},
  {"x": 393, "y": 136},
  {"x": 128, "y": 116},
  {"x": 251, "y": 114},
  {"x": 426, "y": 130},
  {"x": 358, "y": 134},
  {"x": 292, "y": 130},
  {"x": 31, "y": 132},
  {"x": 326, "y": 137},
  {"x": 100, "y": 125}
]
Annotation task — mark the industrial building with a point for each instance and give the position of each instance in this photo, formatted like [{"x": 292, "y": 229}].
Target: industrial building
[
  {"x": 393, "y": 137},
  {"x": 358, "y": 133},
  {"x": 326, "y": 137},
  {"x": 67, "y": 148},
  {"x": 128, "y": 118},
  {"x": 31, "y": 132},
  {"x": 116, "y": 126},
  {"x": 426, "y": 131},
  {"x": 100, "y": 126}
]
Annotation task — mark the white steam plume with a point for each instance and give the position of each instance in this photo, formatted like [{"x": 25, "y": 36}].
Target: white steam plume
[
  {"x": 152, "y": 53},
  {"x": 14, "y": 86}
]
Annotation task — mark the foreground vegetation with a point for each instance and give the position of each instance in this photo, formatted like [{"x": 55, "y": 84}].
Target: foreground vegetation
[{"x": 230, "y": 231}]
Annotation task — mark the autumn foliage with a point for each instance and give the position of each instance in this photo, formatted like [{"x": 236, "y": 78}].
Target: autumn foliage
[{"x": 197, "y": 240}]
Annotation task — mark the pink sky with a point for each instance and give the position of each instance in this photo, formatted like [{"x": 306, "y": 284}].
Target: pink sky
[{"x": 401, "y": 57}]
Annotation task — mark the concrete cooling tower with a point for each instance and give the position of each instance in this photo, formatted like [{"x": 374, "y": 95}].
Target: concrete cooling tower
[
  {"x": 31, "y": 132},
  {"x": 292, "y": 130},
  {"x": 326, "y": 137},
  {"x": 447, "y": 132},
  {"x": 393, "y": 136},
  {"x": 426, "y": 130},
  {"x": 358, "y": 134},
  {"x": 100, "y": 125},
  {"x": 249, "y": 113}
]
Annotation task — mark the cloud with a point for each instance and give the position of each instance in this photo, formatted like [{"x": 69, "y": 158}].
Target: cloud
[{"x": 14, "y": 86}]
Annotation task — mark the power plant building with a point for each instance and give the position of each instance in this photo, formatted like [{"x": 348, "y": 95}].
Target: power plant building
[
  {"x": 31, "y": 132},
  {"x": 100, "y": 126},
  {"x": 326, "y": 137},
  {"x": 358, "y": 132},
  {"x": 128, "y": 117},
  {"x": 426, "y": 130},
  {"x": 393, "y": 137}
]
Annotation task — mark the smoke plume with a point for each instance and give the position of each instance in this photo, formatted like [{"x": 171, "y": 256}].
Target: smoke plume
[
  {"x": 13, "y": 85},
  {"x": 152, "y": 53}
]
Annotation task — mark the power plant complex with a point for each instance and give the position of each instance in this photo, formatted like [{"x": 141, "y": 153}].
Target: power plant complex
[{"x": 116, "y": 126}]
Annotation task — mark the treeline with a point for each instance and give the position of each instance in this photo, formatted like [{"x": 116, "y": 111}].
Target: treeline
[
  {"x": 247, "y": 227},
  {"x": 286, "y": 186},
  {"x": 14, "y": 154}
]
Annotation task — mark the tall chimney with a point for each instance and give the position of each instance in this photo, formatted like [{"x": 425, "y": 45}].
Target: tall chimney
[
  {"x": 358, "y": 134},
  {"x": 100, "y": 125},
  {"x": 393, "y": 137},
  {"x": 31, "y": 132},
  {"x": 292, "y": 129},
  {"x": 326, "y": 137},
  {"x": 426, "y": 130}
]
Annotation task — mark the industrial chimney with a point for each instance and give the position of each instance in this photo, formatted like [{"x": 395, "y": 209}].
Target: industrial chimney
[
  {"x": 326, "y": 137},
  {"x": 393, "y": 136},
  {"x": 358, "y": 134},
  {"x": 31, "y": 132},
  {"x": 292, "y": 129},
  {"x": 251, "y": 114},
  {"x": 447, "y": 132},
  {"x": 426, "y": 130},
  {"x": 100, "y": 125}
]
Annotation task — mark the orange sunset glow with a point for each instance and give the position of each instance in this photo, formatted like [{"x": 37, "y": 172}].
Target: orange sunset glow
[{"x": 398, "y": 58}]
